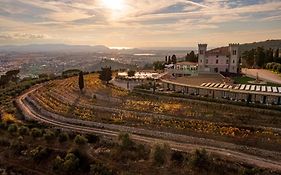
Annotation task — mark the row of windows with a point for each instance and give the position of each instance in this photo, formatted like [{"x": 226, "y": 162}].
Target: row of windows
[
  {"x": 217, "y": 61},
  {"x": 234, "y": 52}
]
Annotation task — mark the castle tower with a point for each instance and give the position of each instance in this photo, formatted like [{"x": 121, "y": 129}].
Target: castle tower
[
  {"x": 234, "y": 65},
  {"x": 202, "y": 49}
]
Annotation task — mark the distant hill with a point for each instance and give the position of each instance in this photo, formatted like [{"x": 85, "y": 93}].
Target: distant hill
[
  {"x": 115, "y": 65},
  {"x": 55, "y": 48},
  {"x": 274, "y": 44}
]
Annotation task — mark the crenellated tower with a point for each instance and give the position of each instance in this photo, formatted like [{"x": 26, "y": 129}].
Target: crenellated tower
[
  {"x": 234, "y": 58},
  {"x": 202, "y": 49}
]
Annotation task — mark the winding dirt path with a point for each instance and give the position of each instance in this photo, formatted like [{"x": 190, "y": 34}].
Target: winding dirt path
[{"x": 177, "y": 142}]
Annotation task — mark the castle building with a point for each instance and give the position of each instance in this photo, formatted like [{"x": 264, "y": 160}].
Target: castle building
[{"x": 223, "y": 59}]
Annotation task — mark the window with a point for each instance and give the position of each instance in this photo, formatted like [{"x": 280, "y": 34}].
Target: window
[
  {"x": 206, "y": 61},
  {"x": 201, "y": 52},
  {"x": 234, "y": 52},
  {"x": 201, "y": 61},
  {"x": 227, "y": 61},
  {"x": 233, "y": 61},
  {"x": 217, "y": 61}
]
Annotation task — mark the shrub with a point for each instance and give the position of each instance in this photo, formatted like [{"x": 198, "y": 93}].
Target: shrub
[
  {"x": 126, "y": 142},
  {"x": 35, "y": 132},
  {"x": 39, "y": 154},
  {"x": 17, "y": 147},
  {"x": 160, "y": 154},
  {"x": 49, "y": 135},
  {"x": 13, "y": 128},
  {"x": 23, "y": 130},
  {"x": 177, "y": 157},
  {"x": 99, "y": 169},
  {"x": 200, "y": 159},
  {"x": 92, "y": 138},
  {"x": 71, "y": 163},
  {"x": 4, "y": 142},
  {"x": 63, "y": 137},
  {"x": 57, "y": 163},
  {"x": 80, "y": 140}
]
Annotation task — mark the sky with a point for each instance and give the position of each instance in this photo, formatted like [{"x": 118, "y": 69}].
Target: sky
[{"x": 139, "y": 23}]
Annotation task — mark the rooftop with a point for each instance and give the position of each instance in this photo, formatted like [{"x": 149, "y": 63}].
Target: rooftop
[{"x": 222, "y": 51}]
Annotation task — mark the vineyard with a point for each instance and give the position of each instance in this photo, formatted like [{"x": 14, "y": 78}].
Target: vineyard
[{"x": 108, "y": 104}]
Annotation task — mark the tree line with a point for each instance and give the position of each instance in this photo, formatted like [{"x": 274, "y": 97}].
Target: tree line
[
  {"x": 10, "y": 76},
  {"x": 259, "y": 57}
]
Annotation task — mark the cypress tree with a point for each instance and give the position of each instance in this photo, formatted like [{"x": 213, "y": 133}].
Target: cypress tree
[{"x": 81, "y": 81}]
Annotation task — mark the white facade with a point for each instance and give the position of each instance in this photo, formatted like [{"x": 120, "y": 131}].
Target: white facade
[{"x": 224, "y": 59}]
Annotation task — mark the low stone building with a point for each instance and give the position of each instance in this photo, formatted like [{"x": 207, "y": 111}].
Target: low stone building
[{"x": 243, "y": 93}]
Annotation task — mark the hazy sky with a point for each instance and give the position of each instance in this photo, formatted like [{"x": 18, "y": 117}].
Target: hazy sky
[{"x": 139, "y": 23}]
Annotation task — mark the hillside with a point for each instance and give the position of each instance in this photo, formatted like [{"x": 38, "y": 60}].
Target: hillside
[
  {"x": 55, "y": 48},
  {"x": 274, "y": 44},
  {"x": 115, "y": 65}
]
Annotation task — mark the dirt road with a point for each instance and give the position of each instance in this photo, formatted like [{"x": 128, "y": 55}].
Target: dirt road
[
  {"x": 184, "y": 144},
  {"x": 263, "y": 74}
]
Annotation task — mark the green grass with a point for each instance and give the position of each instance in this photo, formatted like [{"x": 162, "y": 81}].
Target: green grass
[
  {"x": 247, "y": 80},
  {"x": 243, "y": 79}
]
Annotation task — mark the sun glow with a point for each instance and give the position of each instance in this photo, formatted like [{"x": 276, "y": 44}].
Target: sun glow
[{"x": 114, "y": 4}]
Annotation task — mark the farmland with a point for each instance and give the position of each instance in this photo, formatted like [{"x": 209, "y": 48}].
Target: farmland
[{"x": 111, "y": 105}]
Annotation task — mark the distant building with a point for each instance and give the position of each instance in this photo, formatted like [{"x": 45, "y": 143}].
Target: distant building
[
  {"x": 223, "y": 59},
  {"x": 181, "y": 69}
]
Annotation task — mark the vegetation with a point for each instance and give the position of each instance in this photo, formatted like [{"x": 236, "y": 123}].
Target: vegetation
[
  {"x": 276, "y": 67},
  {"x": 159, "y": 65},
  {"x": 131, "y": 73},
  {"x": 105, "y": 74},
  {"x": 81, "y": 81},
  {"x": 80, "y": 140},
  {"x": 161, "y": 153},
  {"x": 259, "y": 57},
  {"x": 191, "y": 57}
]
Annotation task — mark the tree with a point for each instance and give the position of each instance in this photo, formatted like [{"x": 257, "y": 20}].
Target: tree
[
  {"x": 131, "y": 73},
  {"x": 23, "y": 130},
  {"x": 159, "y": 65},
  {"x": 81, "y": 81},
  {"x": 12, "y": 128},
  {"x": 63, "y": 137},
  {"x": 174, "y": 59},
  {"x": 276, "y": 54},
  {"x": 126, "y": 142},
  {"x": 80, "y": 140},
  {"x": 105, "y": 74},
  {"x": 13, "y": 75},
  {"x": 36, "y": 132},
  {"x": 160, "y": 154},
  {"x": 260, "y": 57}
]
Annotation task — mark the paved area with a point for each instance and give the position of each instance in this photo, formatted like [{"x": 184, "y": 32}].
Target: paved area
[
  {"x": 198, "y": 80},
  {"x": 263, "y": 74}
]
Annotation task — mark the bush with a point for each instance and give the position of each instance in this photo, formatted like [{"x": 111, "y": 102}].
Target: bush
[
  {"x": 200, "y": 159},
  {"x": 49, "y": 135},
  {"x": 63, "y": 137},
  {"x": 71, "y": 162},
  {"x": 17, "y": 147},
  {"x": 92, "y": 138},
  {"x": 39, "y": 154},
  {"x": 57, "y": 163},
  {"x": 4, "y": 142},
  {"x": 160, "y": 154},
  {"x": 126, "y": 142},
  {"x": 35, "y": 132},
  {"x": 80, "y": 140},
  {"x": 13, "y": 128},
  {"x": 99, "y": 169},
  {"x": 177, "y": 157},
  {"x": 23, "y": 130}
]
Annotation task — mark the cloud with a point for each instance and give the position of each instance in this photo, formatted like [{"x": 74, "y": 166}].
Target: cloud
[
  {"x": 21, "y": 36},
  {"x": 89, "y": 22}
]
